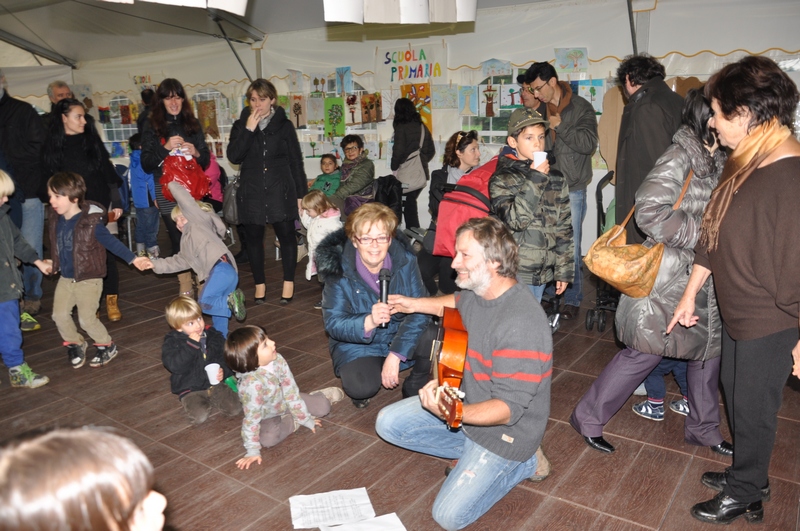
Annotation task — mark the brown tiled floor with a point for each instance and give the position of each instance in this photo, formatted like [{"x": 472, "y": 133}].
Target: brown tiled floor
[{"x": 649, "y": 483}]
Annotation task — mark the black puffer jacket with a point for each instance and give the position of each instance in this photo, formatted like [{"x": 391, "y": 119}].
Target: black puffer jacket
[
  {"x": 21, "y": 140},
  {"x": 183, "y": 358},
  {"x": 272, "y": 175}
]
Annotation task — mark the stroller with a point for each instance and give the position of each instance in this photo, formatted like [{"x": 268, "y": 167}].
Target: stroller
[{"x": 607, "y": 296}]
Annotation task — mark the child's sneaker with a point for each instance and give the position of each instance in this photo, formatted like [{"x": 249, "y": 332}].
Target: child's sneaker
[
  {"x": 236, "y": 304},
  {"x": 104, "y": 354},
  {"x": 153, "y": 253},
  {"x": 23, "y": 376},
  {"x": 333, "y": 394},
  {"x": 647, "y": 410},
  {"x": 141, "y": 253},
  {"x": 28, "y": 323},
  {"x": 318, "y": 306},
  {"x": 681, "y": 407},
  {"x": 76, "y": 354}
]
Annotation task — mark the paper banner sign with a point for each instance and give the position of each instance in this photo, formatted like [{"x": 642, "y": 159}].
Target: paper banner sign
[{"x": 394, "y": 66}]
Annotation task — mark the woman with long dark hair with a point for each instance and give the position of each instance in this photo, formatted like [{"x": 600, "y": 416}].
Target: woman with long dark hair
[
  {"x": 408, "y": 130},
  {"x": 172, "y": 126},
  {"x": 273, "y": 182},
  {"x": 73, "y": 145}
]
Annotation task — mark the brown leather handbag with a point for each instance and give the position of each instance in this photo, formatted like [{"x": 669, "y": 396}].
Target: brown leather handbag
[{"x": 632, "y": 269}]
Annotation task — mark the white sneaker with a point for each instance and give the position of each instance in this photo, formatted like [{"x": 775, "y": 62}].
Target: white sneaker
[{"x": 333, "y": 394}]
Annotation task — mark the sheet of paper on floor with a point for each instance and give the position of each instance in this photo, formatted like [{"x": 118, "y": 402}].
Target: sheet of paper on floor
[
  {"x": 386, "y": 522},
  {"x": 330, "y": 508}
]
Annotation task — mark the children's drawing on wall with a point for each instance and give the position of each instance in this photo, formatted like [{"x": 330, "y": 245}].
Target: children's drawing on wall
[
  {"x": 444, "y": 97},
  {"x": 83, "y": 93},
  {"x": 468, "y": 101},
  {"x": 496, "y": 67},
  {"x": 488, "y": 96},
  {"x": 389, "y": 97},
  {"x": 344, "y": 80},
  {"x": 334, "y": 117},
  {"x": 420, "y": 96},
  {"x": 510, "y": 98},
  {"x": 353, "y": 104},
  {"x": 372, "y": 150},
  {"x": 295, "y": 80},
  {"x": 218, "y": 152},
  {"x": 315, "y": 110},
  {"x": 371, "y": 108},
  {"x": 125, "y": 114},
  {"x": 207, "y": 115},
  {"x": 592, "y": 90},
  {"x": 298, "y": 110},
  {"x": 134, "y": 110},
  {"x": 283, "y": 101},
  {"x": 318, "y": 82},
  {"x": 572, "y": 59},
  {"x": 104, "y": 115}
]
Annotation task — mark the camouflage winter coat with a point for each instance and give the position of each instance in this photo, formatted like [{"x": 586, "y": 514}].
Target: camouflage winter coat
[{"x": 535, "y": 207}]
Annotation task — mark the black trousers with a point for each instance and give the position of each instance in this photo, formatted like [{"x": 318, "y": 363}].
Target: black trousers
[
  {"x": 753, "y": 375},
  {"x": 361, "y": 378},
  {"x": 430, "y": 266},
  {"x": 254, "y": 238},
  {"x": 410, "y": 210}
]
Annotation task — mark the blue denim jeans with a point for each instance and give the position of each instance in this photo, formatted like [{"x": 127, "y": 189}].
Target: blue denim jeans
[
  {"x": 574, "y": 292},
  {"x": 537, "y": 291},
  {"x": 10, "y": 334},
  {"x": 213, "y": 299},
  {"x": 480, "y": 478},
  {"x": 33, "y": 231},
  {"x": 654, "y": 383},
  {"x": 147, "y": 220}
]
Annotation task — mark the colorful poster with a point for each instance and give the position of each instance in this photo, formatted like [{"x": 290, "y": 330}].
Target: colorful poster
[
  {"x": 389, "y": 97},
  {"x": 315, "y": 110},
  {"x": 420, "y": 96},
  {"x": 283, "y": 101},
  {"x": 571, "y": 59},
  {"x": 371, "y": 148},
  {"x": 510, "y": 98},
  {"x": 295, "y": 80},
  {"x": 496, "y": 67},
  {"x": 592, "y": 90},
  {"x": 134, "y": 113},
  {"x": 468, "y": 101},
  {"x": 318, "y": 82},
  {"x": 489, "y": 100},
  {"x": 444, "y": 97},
  {"x": 83, "y": 93},
  {"x": 394, "y": 66},
  {"x": 353, "y": 105},
  {"x": 207, "y": 115},
  {"x": 125, "y": 114},
  {"x": 371, "y": 108},
  {"x": 344, "y": 80},
  {"x": 334, "y": 117},
  {"x": 298, "y": 110},
  {"x": 104, "y": 115}
]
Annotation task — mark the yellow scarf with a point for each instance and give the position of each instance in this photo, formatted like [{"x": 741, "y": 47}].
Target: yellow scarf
[{"x": 751, "y": 151}]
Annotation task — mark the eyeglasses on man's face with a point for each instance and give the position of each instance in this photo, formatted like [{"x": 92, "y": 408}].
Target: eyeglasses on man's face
[
  {"x": 368, "y": 240},
  {"x": 534, "y": 90}
]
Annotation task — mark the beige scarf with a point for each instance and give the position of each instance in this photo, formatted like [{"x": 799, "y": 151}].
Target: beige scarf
[{"x": 751, "y": 151}]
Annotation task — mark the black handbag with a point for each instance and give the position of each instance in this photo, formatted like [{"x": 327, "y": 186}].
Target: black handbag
[{"x": 230, "y": 208}]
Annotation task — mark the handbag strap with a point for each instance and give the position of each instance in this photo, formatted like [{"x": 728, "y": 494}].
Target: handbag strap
[
  {"x": 677, "y": 204},
  {"x": 421, "y": 135}
]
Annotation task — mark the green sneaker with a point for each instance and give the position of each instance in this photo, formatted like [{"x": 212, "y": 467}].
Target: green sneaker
[
  {"x": 23, "y": 376},
  {"x": 236, "y": 304},
  {"x": 28, "y": 323}
]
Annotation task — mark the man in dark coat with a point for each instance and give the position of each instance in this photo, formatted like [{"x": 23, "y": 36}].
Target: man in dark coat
[
  {"x": 650, "y": 119},
  {"x": 147, "y": 99}
]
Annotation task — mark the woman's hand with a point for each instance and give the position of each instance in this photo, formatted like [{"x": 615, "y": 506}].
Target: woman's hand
[
  {"x": 253, "y": 119},
  {"x": 561, "y": 287},
  {"x": 189, "y": 149},
  {"x": 684, "y": 314},
  {"x": 381, "y": 313},
  {"x": 796, "y": 356},
  {"x": 245, "y": 462},
  {"x": 173, "y": 142},
  {"x": 390, "y": 375}
]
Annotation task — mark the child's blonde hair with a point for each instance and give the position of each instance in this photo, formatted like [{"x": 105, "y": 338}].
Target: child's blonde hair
[
  {"x": 6, "y": 185},
  {"x": 176, "y": 211},
  {"x": 317, "y": 200},
  {"x": 182, "y": 310},
  {"x": 77, "y": 478}
]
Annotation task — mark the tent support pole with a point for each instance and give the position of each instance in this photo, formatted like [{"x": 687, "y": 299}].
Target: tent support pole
[
  {"x": 234, "y": 51},
  {"x": 633, "y": 28},
  {"x": 258, "y": 63}
]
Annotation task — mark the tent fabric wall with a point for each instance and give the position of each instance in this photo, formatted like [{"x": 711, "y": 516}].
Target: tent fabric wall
[{"x": 30, "y": 82}]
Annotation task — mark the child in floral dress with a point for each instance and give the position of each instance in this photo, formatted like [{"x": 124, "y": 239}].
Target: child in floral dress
[{"x": 273, "y": 405}]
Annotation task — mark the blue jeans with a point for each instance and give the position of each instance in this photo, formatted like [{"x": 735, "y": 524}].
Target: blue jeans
[
  {"x": 537, "y": 291},
  {"x": 654, "y": 383},
  {"x": 480, "y": 478},
  {"x": 33, "y": 231},
  {"x": 214, "y": 298},
  {"x": 10, "y": 334},
  {"x": 574, "y": 292},
  {"x": 147, "y": 220}
]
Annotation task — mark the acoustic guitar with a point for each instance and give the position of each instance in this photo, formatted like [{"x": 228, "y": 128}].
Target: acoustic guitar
[{"x": 448, "y": 353}]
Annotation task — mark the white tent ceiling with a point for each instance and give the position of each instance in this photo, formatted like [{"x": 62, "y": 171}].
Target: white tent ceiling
[{"x": 87, "y": 30}]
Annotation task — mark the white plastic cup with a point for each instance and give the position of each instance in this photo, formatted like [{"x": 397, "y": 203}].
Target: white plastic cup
[
  {"x": 212, "y": 370},
  {"x": 538, "y": 158}
]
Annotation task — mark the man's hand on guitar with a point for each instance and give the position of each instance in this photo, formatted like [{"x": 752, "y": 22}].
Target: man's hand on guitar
[
  {"x": 390, "y": 375},
  {"x": 427, "y": 397}
]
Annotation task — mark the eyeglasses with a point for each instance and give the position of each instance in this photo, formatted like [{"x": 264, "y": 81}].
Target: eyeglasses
[
  {"x": 350, "y": 149},
  {"x": 367, "y": 240},
  {"x": 537, "y": 89}
]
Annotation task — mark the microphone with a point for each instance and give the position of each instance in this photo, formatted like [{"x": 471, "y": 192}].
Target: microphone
[{"x": 383, "y": 282}]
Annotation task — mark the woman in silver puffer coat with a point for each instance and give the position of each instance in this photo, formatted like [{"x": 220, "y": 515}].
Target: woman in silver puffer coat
[{"x": 641, "y": 323}]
